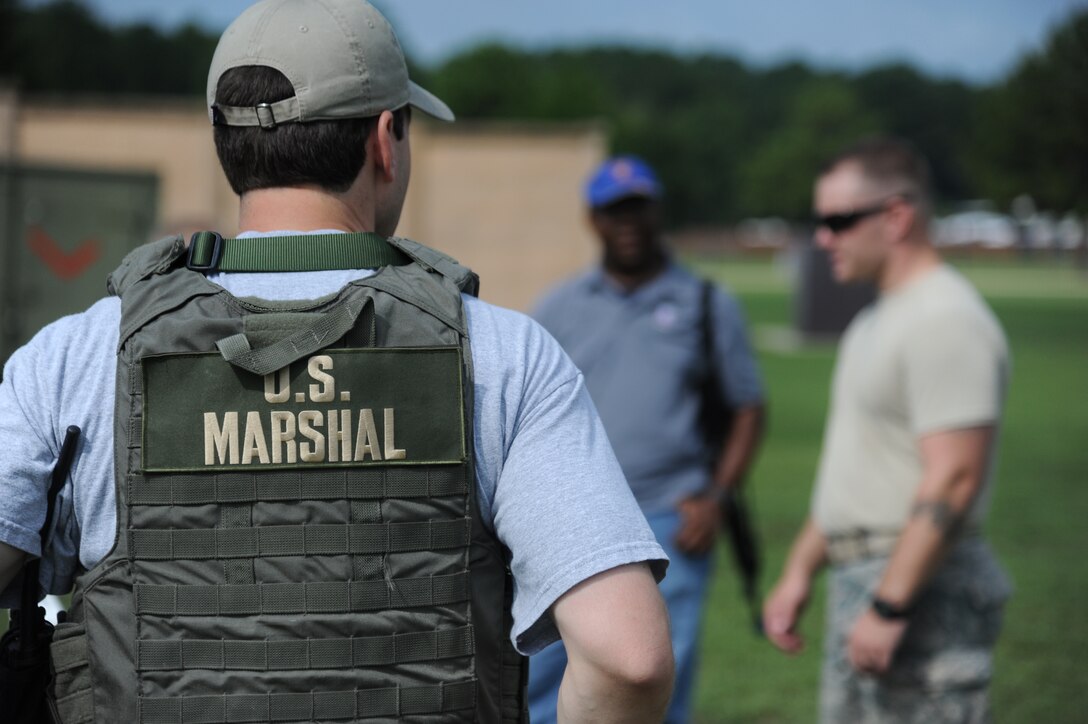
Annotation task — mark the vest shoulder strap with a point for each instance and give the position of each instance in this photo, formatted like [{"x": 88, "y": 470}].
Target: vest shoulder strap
[
  {"x": 464, "y": 278},
  {"x": 142, "y": 262}
]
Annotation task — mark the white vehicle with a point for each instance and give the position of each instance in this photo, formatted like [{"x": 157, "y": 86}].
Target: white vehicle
[{"x": 984, "y": 228}]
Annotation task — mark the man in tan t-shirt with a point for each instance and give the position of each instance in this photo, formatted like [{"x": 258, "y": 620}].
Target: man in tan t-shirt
[{"x": 916, "y": 596}]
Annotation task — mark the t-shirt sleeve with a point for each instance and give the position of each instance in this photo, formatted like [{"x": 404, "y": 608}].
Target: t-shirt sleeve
[
  {"x": 551, "y": 485},
  {"x": 30, "y": 447},
  {"x": 736, "y": 360},
  {"x": 956, "y": 369},
  {"x": 564, "y": 509},
  {"x": 25, "y": 430}
]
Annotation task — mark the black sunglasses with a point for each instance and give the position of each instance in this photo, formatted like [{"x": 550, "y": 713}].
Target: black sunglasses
[{"x": 836, "y": 223}]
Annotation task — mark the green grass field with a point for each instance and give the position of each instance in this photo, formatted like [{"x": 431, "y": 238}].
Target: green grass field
[{"x": 1037, "y": 521}]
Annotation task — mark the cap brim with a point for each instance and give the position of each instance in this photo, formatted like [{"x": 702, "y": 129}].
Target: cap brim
[
  {"x": 608, "y": 196},
  {"x": 428, "y": 102}
]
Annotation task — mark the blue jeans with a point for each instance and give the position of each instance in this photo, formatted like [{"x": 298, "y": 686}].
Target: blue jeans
[{"x": 684, "y": 589}]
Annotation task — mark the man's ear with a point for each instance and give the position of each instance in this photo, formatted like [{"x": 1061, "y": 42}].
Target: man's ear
[
  {"x": 902, "y": 216},
  {"x": 380, "y": 147}
]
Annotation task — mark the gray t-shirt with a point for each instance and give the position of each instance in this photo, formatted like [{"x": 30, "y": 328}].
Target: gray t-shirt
[
  {"x": 546, "y": 476},
  {"x": 642, "y": 356},
  {"x": 927, "y": 358}
]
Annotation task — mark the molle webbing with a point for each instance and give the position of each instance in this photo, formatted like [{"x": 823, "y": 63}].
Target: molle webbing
[
  {"x": 393, "y": 701},
  {"x": 243, "y": 655},
  {"x": 351, "y": 483},
  {"x": 298, "y": 540},
  {"x": 299, "y": 598},
  {"x": 192, "y": 628}
]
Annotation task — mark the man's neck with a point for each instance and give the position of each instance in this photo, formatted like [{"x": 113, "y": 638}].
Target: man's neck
[
  {"x": 302, "y": 209},
  {"x": 911, "y": 262},
  {"x": 629, "y": 280}
]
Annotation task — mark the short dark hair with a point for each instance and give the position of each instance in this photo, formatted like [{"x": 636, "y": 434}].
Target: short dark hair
[
  {"x": 888, "y": 161},
  {"x": 328, "y": 154}
]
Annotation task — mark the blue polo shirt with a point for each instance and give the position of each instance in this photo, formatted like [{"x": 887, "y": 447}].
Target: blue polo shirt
[{"x": 641, "y": 355}]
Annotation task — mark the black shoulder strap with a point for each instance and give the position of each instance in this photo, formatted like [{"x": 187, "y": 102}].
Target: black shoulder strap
[
  {"x": 715, "y": 415},
  {"x": 706, "y": 325}
]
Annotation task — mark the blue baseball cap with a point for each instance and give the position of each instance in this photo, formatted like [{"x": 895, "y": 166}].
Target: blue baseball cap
[{"x": 620, "y": 177}]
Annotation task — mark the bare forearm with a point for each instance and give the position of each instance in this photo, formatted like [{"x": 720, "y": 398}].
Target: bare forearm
[
  {"x": 808, "y": 555},
  {"x": 619, "y": 657},
  {"x": 787, "y": 601},
  {"x": 740, "y": 446},
  {"x": 921, "y": 545},
  {"x": 916, "y": 554},
  {"x": 592, "y": 696},
  {"x": 954, "y": 465}
]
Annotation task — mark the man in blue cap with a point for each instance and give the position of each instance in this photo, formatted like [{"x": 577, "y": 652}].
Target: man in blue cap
[{"x": 637, "y": 326}]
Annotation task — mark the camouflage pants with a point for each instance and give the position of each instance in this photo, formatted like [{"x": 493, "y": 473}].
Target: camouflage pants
[{"x": 942, "y": 669}]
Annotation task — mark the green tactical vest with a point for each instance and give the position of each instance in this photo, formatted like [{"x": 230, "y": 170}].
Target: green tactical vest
[{"x": 298, "y": 537}]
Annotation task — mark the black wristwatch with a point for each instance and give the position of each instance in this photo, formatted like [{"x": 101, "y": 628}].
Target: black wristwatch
[{"x": 889, "y": 611}]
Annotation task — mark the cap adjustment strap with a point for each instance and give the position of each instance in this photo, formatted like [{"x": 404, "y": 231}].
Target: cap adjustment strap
[
  {"x": 265, "y": 115},
  {"x": 209, "y": 252}
]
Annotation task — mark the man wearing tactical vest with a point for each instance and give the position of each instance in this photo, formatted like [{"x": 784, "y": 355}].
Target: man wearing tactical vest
[{"x": 332, "y": 484}]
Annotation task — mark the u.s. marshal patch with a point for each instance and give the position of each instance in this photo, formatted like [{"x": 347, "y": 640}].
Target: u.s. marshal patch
[{"x": 341, "y": 407}]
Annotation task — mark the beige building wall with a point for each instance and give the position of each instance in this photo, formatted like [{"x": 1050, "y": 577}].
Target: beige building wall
[
  {"x": 506, "y": 201},
  {"x": 171, "y": 140},
  {"x": 503, "y": 199}
]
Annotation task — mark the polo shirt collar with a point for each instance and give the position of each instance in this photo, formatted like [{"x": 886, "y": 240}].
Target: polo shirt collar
[{"x": 663, "y": 286}]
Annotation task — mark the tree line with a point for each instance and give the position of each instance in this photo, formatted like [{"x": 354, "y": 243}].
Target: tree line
[{"x": 730, "y": 140}]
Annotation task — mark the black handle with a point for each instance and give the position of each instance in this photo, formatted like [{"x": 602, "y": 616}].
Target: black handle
[
  {"x": 738, "y": 526},
  {"x": 60, "y": 475},
  {"x": 30, "y": 618}
]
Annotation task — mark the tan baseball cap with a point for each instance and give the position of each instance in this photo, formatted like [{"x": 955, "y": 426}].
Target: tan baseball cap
[{"x": 341, "y": 56}]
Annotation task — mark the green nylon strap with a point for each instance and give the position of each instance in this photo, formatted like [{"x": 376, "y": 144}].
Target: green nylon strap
[
  {"x": 426, "y": 481},
  {"x": 391, "y": 702},
  {"x": 304, "y": 654},
  {"x": 299, "y": 540},
  {"x": 208, "y": 252},
  {"x": 311, "y": 338},
  {"x": 300, "y": 598}
]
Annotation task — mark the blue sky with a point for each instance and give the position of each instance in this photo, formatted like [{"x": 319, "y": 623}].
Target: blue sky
[{"x": 976, "y": 40}]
